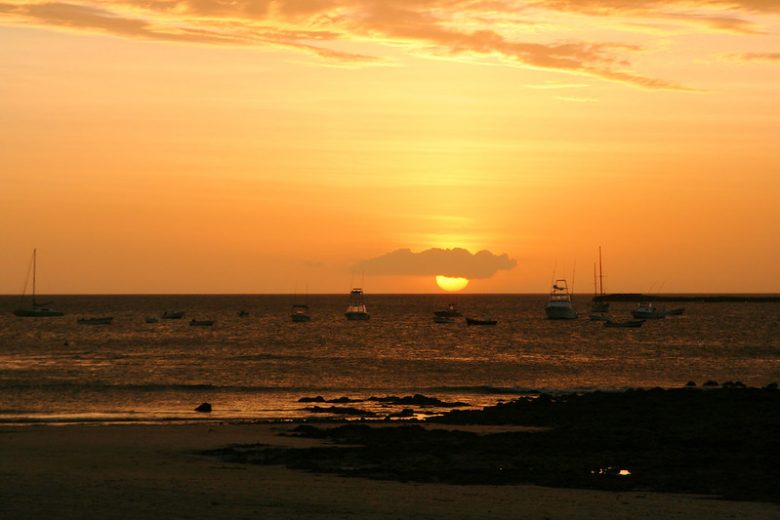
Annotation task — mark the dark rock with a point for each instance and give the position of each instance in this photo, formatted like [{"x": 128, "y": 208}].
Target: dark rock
[
  {"x": 717, "y": 442},
  {"x": 771, "y": 387},
  {"x": 318, "y": 399},
  {"x": 344, "y": 399},
  {"x": 690, "y": 383},
  {"x": 204, "y": 408},
  {"x": 417, "y": 400},
  {"x": 340, "y": 410},
  {"x": 710, "y": 383},
  {"x": 403, "y": 414}
]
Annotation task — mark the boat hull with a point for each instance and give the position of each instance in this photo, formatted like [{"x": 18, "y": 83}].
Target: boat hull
[
  {"x": 472, "y": 321},
  {"x": 201, "y": 323},
  {"x": 630, "y": 324},
  {"x": 443, "y": 319},
  {"x": 357, "y": 316},
  {"x": 96, "y": 321},
  {"x": 555, "y": 312},
  {"x": 643, "y": 314},
  {"x": 38, "y": 313},
  {"x": 300, "y": 318}
]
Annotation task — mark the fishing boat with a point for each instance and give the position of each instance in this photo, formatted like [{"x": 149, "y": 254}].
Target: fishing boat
[
  {"x": 475, "y": 321},
  {"x": 559, "y": 306},
  {"x": 676, "y": 311},
  {"x": 201, "y": 323},
  {"x": 443, "y": 319},
  {"x": 624, "y": 324},
  {"x": 451, "y": 312},
  {"x": 356, "y": 310},
  {"x": 172, "y": 315},
  {"x": 300, "y": 313},
  {"x": 96, "y": 321},
  {"x": 36, "y": 309},
  {"x": 599, "y": 316},
  {"x": 598, "y": 304},
  {"x": 152, "y": 319},
  {"x": 648, "y": 311}
]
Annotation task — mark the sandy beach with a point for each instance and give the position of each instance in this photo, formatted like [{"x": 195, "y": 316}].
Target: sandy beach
[{"x": 156, "y": 471}]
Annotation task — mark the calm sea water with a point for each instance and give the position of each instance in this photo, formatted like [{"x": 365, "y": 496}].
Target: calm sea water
[{"x": 256, "y": 367}]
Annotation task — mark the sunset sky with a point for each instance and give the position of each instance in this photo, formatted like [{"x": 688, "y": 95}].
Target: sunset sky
[{"x": 279, "y": 146}]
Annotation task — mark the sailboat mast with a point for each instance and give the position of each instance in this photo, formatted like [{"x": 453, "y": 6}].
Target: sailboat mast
[
  {"x": 601, "y": 275},
  {"x": 35, "y": 264},
  {"x": 595, "y": 282}
]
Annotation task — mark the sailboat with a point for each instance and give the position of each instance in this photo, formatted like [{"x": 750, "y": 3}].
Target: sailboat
[
  {"x": 598, "y": 305},
  {"x": 356, "y": 310},
  {"x": 36, "y": 310},
  {"x": 559, "y": 305}
]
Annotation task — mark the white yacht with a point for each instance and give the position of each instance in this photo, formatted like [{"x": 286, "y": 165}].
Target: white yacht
[
  {"x": 559, "y": 306},
  {"x": 356, "y": 310}
]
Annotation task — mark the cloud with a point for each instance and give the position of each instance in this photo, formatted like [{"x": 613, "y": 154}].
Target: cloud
[
  {"x": 448, "y": 262},
  {"x": 502, "y": 30},
  {"x": 757, "y": 56}
]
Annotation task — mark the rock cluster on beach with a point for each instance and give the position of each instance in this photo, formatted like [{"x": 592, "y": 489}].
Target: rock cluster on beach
[{"x": 718, "y": 441}]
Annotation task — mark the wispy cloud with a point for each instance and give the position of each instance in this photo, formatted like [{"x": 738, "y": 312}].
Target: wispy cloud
[
  {"x": 481, "y": 29},
  {"x": 757, "y": 56}
]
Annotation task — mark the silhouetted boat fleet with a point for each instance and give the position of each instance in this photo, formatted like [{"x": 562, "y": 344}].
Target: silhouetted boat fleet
[{"x": 558, "y": 307}]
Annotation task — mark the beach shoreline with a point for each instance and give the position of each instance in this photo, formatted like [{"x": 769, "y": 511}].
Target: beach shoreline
[{"x": 162, "y": 471}]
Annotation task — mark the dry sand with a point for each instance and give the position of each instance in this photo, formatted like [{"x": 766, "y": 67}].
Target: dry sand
[{"x": 153, "y": 471}]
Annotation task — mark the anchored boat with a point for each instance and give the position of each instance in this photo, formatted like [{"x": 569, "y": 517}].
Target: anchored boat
[
  {"x": 36, "y": 310},
  {"x": 356, "y": 310},
  {"x": 559, "y": 306}
]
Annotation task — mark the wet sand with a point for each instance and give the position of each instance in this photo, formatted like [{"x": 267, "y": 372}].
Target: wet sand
[{"x": 157, "y": 471}]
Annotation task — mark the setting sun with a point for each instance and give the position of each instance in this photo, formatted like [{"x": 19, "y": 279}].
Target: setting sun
[{"x": 451, "y": 284}]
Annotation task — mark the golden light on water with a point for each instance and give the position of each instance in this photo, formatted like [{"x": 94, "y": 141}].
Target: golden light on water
[{"x": 452, "y": 284}]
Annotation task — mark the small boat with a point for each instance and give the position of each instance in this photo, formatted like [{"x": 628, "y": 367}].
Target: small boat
[
  {"x": 648, "y": 311},
  {"x": 624, "y": 324},
  {"x": 300, "y": 313},
  {"x": 451, "y": 312},
  {"x": 676, "y": 311},
  {"x": 356, "y": 310},
  {"x": 559, "y": 305},
  {"x": 36, "y": 310},
  {"x": 172, "y": 315},
  {"x": 201, "y": 323},
  {"x": 599, "y": 316},
  {"x": 443, "y": 319},
  {"x": 151, "y": 319},
  {"x": 96, "y": 321},
  {"x": 243, "y": 314},
  {"x": 474, "y": 321}
]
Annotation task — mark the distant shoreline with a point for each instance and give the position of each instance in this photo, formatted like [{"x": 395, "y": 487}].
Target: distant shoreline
[
  {"x": 719, "y": 298},
  {"x": 693, "y": 297}
]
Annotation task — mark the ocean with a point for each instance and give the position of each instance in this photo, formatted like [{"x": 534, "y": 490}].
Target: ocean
[{"x": 256, "y": 367}]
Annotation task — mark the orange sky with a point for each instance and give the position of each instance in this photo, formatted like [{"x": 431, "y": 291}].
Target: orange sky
[{"x": 205, "y": 146}]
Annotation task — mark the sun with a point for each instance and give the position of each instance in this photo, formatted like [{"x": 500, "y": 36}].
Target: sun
[{"x": 451, "y": 284}]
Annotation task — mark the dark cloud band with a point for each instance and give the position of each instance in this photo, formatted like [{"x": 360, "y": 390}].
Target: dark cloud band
[{"x": 448, "y": 262}]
